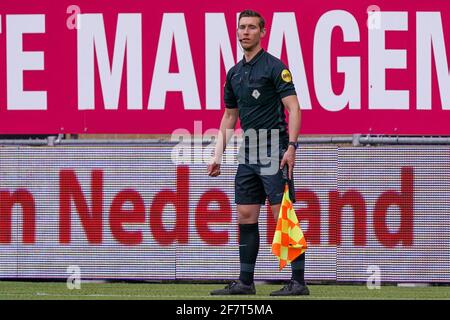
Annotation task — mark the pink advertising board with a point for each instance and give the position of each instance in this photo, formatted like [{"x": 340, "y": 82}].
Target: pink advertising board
[{"x": 156, "y": 66}]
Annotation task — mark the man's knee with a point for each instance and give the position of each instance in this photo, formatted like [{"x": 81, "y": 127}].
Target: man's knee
[{"x": 248, "y": 213}]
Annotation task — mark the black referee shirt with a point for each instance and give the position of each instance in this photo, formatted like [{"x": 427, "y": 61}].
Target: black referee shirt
[{"x": 256, "y": 88}]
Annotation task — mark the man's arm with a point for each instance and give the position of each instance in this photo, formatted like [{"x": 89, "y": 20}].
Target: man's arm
[
  {"x": 293, "y": 107},
  {"x": 226, "y": 130}
]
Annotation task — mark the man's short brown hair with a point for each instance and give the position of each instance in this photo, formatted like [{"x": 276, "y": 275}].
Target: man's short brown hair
[{"x": 251, "y": 13}]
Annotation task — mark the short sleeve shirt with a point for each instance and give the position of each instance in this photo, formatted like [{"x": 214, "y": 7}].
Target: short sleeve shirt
[{"x": 256, "y": 88}]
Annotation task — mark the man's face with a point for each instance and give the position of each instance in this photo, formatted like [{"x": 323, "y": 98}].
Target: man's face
[{"x": 249, "y": 32}]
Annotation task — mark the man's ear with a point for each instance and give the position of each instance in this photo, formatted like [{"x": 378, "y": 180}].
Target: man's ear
[{"x": 263, "y": 32}]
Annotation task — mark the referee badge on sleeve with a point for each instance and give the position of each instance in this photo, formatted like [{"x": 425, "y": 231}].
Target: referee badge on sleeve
[{"x": 286, "y": 75}]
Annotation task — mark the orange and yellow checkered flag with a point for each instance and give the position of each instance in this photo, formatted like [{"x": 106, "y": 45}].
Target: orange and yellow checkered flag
[{"x": 288, "y": 241}]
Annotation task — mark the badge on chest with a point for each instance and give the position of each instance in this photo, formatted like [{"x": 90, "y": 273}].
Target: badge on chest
[{"x": 256, "y": 94}]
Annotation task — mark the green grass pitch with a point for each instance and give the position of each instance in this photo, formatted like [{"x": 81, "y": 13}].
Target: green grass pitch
[{"x": 169, "y": 291}]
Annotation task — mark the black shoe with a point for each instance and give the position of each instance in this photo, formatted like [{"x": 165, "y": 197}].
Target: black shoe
[
  {"x": 235, "y": 287},
  {"x": 293, "y": 288}
]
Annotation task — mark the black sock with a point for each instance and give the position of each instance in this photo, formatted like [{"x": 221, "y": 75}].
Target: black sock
[
  {"x": 298, "y": 269},
  {"x": 248, "y": 251}
]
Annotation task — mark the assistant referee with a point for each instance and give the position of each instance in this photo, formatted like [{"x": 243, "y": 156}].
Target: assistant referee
[{"x": 257, "y": 91}]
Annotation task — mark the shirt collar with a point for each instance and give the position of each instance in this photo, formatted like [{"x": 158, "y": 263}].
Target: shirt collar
[{"x": 255, "y": 58}]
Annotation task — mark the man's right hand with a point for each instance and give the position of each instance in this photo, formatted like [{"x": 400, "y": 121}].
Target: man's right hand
[{"x": 214, "y": 168}]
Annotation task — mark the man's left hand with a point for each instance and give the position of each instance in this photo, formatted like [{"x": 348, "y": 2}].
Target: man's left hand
[{"x": 289, "y": 159}]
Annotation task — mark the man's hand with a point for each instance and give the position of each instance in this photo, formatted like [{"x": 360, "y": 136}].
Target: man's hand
[
  {"x": 214, "y": 168},
  {"x": 289, "y": 159}
]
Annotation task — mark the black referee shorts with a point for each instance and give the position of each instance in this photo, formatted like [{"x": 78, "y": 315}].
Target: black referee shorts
[{"x": 252, "y": 187}]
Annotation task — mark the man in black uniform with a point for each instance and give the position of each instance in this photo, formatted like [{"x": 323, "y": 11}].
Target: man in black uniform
[{"x": 257, "y": 90}]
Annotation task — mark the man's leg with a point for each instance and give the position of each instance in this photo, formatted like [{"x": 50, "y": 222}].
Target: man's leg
[
  {"x": 249, "y": 196},
  {"x": 248, "y": 240}
]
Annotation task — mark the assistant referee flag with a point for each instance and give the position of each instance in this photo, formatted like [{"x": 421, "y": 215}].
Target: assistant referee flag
[{"x": 288, "y": 241}]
